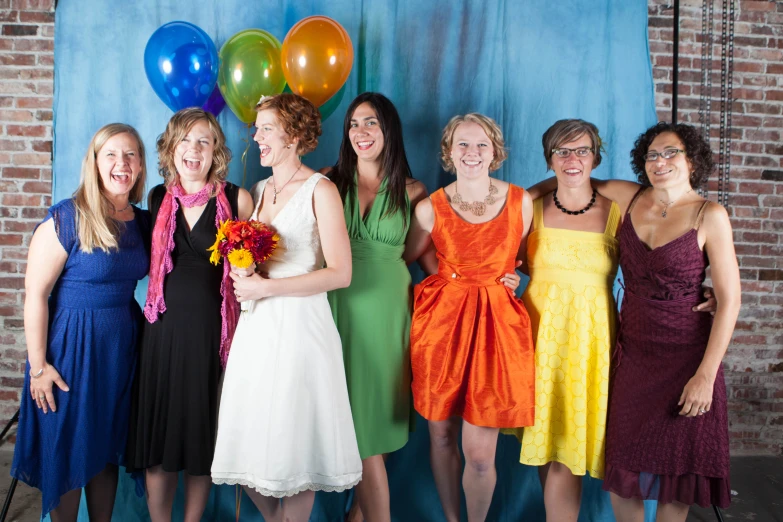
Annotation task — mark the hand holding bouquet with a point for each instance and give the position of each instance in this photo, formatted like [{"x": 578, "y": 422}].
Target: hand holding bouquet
[{"x": 243, "y": 243}]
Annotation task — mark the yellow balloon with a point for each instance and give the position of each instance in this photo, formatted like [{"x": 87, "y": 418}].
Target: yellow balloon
[
  {"x": 249, "y": 68},
  {"x": 317, "y": 58}
]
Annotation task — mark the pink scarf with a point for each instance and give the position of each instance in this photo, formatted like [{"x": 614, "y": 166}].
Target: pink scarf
[{"x": 161, "y": 264}]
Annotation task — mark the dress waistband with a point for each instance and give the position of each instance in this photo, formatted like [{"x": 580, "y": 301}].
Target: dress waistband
[
  {"x": 572, "y": 277},
  {"x": 86, "y": 295},
  {"x": 369, "y": 250},
  {"x": 451, "y": 276}
]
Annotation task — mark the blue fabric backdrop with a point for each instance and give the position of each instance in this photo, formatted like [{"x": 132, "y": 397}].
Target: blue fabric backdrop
[{"x": 526, "y": 64}]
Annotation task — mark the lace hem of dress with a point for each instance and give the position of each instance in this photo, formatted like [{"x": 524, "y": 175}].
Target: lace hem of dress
[{"x": 308, "y": 486}]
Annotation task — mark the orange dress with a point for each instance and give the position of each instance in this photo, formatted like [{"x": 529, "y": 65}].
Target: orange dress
[{"x": 471, "y": 345}]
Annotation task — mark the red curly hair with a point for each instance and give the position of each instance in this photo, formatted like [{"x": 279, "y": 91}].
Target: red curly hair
[{"x": 298, "y": 116}]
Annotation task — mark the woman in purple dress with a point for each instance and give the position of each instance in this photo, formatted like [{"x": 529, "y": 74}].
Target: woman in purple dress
[{"x": 667, "y": 431}]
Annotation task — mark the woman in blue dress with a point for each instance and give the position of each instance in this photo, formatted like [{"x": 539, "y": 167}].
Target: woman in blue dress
[{"x": 81, "y": 323}]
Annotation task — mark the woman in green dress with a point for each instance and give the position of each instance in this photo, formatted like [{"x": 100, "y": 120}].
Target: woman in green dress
[{"x": 373, "y": 314}]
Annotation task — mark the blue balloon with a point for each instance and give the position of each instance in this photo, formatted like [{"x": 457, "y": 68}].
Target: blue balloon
[{"x": 181, "y": 63}]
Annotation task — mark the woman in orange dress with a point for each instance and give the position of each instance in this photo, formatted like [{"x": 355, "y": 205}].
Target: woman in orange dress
[{"x": 471, "y": 345}]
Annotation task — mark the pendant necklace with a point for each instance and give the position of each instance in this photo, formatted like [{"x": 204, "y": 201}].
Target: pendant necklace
[
  {"x": 274, "y": 185},
  {"x": 670, "y": 203}
]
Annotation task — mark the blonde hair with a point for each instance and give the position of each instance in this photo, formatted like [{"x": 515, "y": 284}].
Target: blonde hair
[
  {"x": 178, "y": 127},
  {"x": 492, "y": 131},
  {"x": 96, "y": 227}
]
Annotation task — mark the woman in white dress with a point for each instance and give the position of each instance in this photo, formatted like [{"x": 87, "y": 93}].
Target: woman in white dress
[{"x": 285, "y": 427}]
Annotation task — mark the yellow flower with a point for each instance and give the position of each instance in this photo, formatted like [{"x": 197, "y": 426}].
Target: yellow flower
[
  {"x": 240, "y": 258},
  {"x": 214, "y": 257},
  {"x": 221, "y": 233}
]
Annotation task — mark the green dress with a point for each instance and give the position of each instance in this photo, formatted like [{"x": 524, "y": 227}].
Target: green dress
[{"x": 373, "y": 316}]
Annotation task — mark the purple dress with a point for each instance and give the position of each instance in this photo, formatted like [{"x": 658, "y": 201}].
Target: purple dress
[{"x": 652, "y": 452}]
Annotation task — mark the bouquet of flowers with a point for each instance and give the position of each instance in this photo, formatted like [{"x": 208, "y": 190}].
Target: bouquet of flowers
[{"x": 243, "y": 243}]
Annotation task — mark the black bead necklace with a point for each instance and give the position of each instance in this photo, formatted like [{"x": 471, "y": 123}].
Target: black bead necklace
[{"x": 573, "y": 212}]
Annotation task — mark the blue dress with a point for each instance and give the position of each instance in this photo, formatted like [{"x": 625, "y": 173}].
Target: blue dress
[{"x": 93, "y": 326}]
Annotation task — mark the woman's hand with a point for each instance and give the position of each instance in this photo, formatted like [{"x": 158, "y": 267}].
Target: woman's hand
[
  {"x": 710, "y": 305},
  {"x": 696, "y": 398},
  {"x": 512, "y": 280},
  {"x": 243, "y": 272},
  {"x": 41, "y": 388},
  {"x": 250, "y": 288}
]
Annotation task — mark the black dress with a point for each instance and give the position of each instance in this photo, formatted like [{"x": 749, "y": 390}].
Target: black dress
[{"x": 174, "y": 407}]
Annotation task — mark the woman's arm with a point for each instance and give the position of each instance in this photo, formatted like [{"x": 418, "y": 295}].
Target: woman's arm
[
  {"x": 719, "y": 246},
  {"x": 245, "y": 204},
  {"x": 617, "y": 190},
  {"x": 417, "y": 192},
  {"x": 527, "y": 222},
  {"x": 542, "y": 188},
  {"x": 428, "y": 261},
  {"x": 328, "y": 208},
  {"x": 45, "y": 261},
  {"x": 419, "y": 239}
]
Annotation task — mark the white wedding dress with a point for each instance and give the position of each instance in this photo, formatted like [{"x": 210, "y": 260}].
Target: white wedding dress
[{"x": 285, "y": 422}]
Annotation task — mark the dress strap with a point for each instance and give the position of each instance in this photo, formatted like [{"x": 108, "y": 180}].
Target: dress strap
[
  {"x": 613, "y": 220},
  {"x": 700, "y": 215},
  {"x": 635, "y": 198},
  {"x": 257, "y": 192},
  {"x": 439, "y": 201},
  {"x": 538, "y": 213},
  {"x": 309, "y": 185}
]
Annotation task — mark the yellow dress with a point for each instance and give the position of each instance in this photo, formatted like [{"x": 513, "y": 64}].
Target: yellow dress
[{"x": 572, "y": 312}]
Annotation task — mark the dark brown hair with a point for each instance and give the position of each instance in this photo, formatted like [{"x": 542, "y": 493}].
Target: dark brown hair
[
  {"x": 697, "y": 150},
  {"x": 394, "y": 163},
  {"x": 566, "y": 131}
]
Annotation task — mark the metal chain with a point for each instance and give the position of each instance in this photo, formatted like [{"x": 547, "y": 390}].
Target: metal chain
[
  {"x": 723, "y": 196},
  {"x": 707, "y": 38},
  {"x": 726, "y": 84},
  {"x": 705, "y": 93}
]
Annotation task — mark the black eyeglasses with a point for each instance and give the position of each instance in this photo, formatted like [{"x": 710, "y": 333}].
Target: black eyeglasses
[
  {"x": 665, "y": 154},
  {"x": 581, "y": 152}
]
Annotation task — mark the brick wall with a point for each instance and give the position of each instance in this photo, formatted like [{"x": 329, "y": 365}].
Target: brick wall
[
  {"x": 754, "y": 362},
  {"x": 26, "y": 86}
]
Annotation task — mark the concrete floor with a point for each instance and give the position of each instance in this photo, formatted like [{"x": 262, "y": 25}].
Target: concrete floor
[{"x": 758, "y": 482}]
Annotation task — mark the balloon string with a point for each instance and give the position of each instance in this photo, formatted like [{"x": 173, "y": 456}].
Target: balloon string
[
  {"x": 244, "y": 154},
  {"x": 239, "y": 500}
]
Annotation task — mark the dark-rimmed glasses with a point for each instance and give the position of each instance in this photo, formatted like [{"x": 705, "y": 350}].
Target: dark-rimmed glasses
[
  {"x": 581, "y": 152},
  {"x": 665, "y": 154}
]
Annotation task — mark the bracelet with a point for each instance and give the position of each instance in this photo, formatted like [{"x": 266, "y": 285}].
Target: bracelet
[{"x": 36, "y": 375}]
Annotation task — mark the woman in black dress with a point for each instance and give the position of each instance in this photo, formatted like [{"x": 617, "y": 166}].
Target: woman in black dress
[{"x": 191, "y": 314}]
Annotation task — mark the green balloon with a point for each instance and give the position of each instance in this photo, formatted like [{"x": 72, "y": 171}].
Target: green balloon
[
  {"x": 250, "y": 67},
  {"x": 331, "y": 105}
]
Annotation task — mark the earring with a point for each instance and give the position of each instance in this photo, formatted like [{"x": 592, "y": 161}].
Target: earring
[{"x": 288, "y": 146}]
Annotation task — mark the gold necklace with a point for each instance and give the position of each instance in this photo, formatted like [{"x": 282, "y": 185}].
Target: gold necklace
[
  {"x": 476, "y": 207},
  {"x": 274, "y": 186},
  {"x": 670, "y": 203}
]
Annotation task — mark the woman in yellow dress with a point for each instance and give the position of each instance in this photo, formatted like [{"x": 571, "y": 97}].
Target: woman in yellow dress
[{"x": 572, "y": 257}]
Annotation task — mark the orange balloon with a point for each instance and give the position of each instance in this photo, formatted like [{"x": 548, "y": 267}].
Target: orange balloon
[{"x": 317, "y": 58}]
